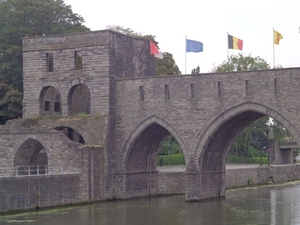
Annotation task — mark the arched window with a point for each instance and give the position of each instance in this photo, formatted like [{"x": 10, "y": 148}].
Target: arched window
[
  {"x": 50, "y": 101},
  {"x": 79, "y": 100}
]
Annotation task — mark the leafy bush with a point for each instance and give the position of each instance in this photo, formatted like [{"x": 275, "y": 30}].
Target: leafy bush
[
  {"x": 164, "y": 160},
  {"x": 178, "y": 159},
  {"x": 250, "y": 160}
]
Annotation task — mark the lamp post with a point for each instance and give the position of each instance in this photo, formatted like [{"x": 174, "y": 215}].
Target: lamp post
[
  {"x": 261, "y": 155},
  {"x": 268, "y": 150}
]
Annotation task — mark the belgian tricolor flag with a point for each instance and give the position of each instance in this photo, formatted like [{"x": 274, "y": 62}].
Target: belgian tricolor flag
[{"x": 235, "y": 43}]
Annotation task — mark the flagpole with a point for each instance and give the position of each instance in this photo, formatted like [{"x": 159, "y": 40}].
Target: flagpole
[
  {"x": 185, "y": 56},
  {"x": 273, "y": 50},
  {"x": 227, "y": 47}
]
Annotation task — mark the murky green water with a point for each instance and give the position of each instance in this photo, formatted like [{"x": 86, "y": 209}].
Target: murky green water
[{"x": 270, "y": 205}]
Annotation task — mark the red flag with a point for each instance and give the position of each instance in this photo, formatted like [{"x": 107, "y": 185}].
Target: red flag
[{"x": 153, "y": 49}]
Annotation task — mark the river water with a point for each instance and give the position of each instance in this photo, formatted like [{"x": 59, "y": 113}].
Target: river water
[{"x": 271, "y": 205}]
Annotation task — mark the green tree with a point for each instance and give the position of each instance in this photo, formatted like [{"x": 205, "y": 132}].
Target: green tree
[
  {"x": 196, "y": 70},
  {"x": 278, "y": 132},
  {"x": 19, "y": 19},
  {"x": 10, "y": 103},
  {"x": 170, "y": 146},
  {"x": 165, "y": 66},
  {"x": 130, "y": 32},
  {"x": 252, "y": 139},
  {"x": 241, "y": 63}
]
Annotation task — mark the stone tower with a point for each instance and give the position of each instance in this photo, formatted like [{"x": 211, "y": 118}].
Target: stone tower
[{"x": 74, "y": 73}]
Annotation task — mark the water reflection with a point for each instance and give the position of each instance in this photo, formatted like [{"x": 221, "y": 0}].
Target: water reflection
[{"x": 275, "y": 205}]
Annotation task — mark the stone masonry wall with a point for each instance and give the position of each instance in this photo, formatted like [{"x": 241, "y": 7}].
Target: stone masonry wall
[
  {"x": 261, "y": 175},
  {"x": 175, "y": 183},
  {"x": 198, "y": 104},
  {"x": 92, "y": 129},
  {"x": 60, "y": 150},
  {"x": 91, "y": 159},
  {"x": 43, "y": 191},
  {"x": 104, "y": 53},
  {"x": 26, "y": 192},
  {"x": 170, "y": 183}
]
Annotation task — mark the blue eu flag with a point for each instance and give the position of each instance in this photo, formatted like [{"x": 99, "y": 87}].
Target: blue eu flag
[{"x": 194, "y": 46}]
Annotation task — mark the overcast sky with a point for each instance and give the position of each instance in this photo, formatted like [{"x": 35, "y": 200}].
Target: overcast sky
[{"x": 207, "y": 21}]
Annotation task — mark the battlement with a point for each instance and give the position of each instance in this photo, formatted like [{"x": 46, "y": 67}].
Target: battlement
[{"x": 65, "y": 41}]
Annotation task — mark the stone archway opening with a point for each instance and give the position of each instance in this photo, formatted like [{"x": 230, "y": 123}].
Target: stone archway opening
[
  {"x": 142, "y": 160},
  {"x": 79, "y": 100},
  {"x": 213, "y": 157},
  {"x": 212, "y": 163},
  {"x": 145, "y": 149},
  {"x": 155, "y": 140},
  {"x": 72, "y": 134},
  {"x": 31, "y": 158},
  {"x": 171, "y": 157},
  {"x": 50, "y": 101},
  {"x": 263, "y": 142}
]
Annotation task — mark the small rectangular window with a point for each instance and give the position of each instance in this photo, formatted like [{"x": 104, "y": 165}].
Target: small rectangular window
[
  {"x": 57, "y": 107},
  {"x": 192, "y": 91},
  {"x": 167, "y": 92},
  {"x": 47, "y": 106},
  {"x": 247, "y": 87},
  {"x": 219, "y": 89},
  {"x": 49, "y": 57},
  {"x": 78, "y": 61},
  {"x": 142, "y": 93},
  {"x": 276, "y": 84}
]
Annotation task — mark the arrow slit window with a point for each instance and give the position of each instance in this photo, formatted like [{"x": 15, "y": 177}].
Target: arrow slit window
[
  {"x": 78, "y": 61},
  {"x": 49, "y": 57},
  {"x": 167, "y": 92},
  {"x": 192, "y": 91}
]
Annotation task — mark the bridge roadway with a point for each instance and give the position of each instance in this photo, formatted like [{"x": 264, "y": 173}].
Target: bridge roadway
[{"x": 181, "y": 168}]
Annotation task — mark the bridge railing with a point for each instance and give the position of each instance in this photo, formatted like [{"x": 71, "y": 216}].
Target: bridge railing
[{"x": 32, "y": 170}]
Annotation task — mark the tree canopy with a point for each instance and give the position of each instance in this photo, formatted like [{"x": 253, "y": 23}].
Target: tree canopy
[
  {"x": 10, "y": 103},
  {"x": 196, "y": 70},
  {"x": 167, "y": 65},
  {"x": 241, "y": 63},
  {"x": 19, "y": 19},
  {"x": 132, "y": 33}
]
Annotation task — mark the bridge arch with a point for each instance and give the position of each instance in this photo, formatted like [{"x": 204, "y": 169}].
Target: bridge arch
[
  {"x": 154, "y": 130},
  {"x": 31, "y": 153},
  {"x": 234, "y": 120},
  {"x": 214, "y": 141}
]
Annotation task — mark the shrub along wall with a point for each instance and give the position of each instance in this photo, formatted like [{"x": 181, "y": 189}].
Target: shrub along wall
[
  {"x": 250, "y": 160},
  {"x": 164, "y": 160},
  {"x": 178, "y": 159}
]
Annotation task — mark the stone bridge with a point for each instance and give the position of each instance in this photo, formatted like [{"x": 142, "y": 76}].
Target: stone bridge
[
  {"x": 94, "y": 99},
  {"x": 204, "y": 113}
]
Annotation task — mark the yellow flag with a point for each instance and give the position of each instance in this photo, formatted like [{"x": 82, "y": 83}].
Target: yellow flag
[{"x": 277, "y": 37}]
